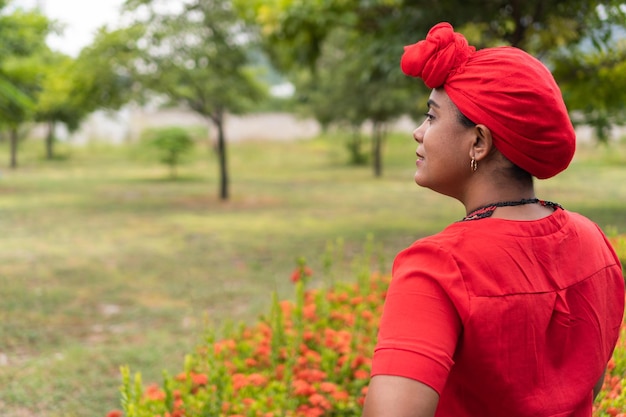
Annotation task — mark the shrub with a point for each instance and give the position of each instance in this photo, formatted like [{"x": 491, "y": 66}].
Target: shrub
[
  {"x": 307, "y": 358},
  {"x": 170, "y": 144}
]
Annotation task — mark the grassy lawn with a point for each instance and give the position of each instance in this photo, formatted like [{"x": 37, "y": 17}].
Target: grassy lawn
[{"x": 105, "y": 262}]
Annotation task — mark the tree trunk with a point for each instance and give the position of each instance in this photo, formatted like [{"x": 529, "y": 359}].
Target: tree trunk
[
  {"x": 221, "y": 154},
  {"x": 377, "y": 145},
  {"x": 50, "y": 140},
  {"x": 14, "y": 136}
]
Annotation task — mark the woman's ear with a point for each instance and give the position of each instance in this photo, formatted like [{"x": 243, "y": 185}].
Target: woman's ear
[{"x": 483, "y": 142}]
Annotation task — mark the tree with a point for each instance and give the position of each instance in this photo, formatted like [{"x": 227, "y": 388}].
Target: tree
[
  {"x": 340, "y": 91},
  {"x": 22, "y": 40},
  {"x": 594, "y": 86},
  {"x": 104, "y": 74},
  {"x": 58, "y": 100},
  {"x": 198, "y": 57},
  {"x": 296, "y": 33}
]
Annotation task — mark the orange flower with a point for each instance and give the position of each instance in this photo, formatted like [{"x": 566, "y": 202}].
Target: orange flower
[
  {"x": 612, "y": 411},
  {"x": 239, "y": 381},
  {"x": 226, "y": 344},
  {"x": 367, "y": 315},
  {"x": 199, "y": 379},
  {"x": 340, "y": 395},
  {"x": 286, "y": 306},
  {"x": 153, "y": 392},
  {"x": 361, "y": 374},
  {"x": 319, "y": 400},
  {"x": 308, "y": 311},
  {"x": 257, "y": 380},
  {"x": 358, "y": 361},
  {"x": 306, "y": 411},
  {"x": 263, "y": 350},
  {"x": 280, "y": 371},
  {"x": 328, "y": 387},
  {"x": 356, "y": 300},
  {"x": 302, "y": 387},
  {"x": 265, "y": 329},
  {"x": 251, "y": 362},
  {"x": 311, "y": 375},
  {"x": 301, "y": 273}
]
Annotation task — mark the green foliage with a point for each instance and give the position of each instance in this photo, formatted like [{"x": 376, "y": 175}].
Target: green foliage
[
  {"x": 101, "y": 231},
  {"x": 171, "y": 144},
  {"x": 22, "y": 41},
  {"x": 594, "y": 85},
  {"x": 301, "y": 361},
  {"x": 105, "y": 73},
  {"x": 199, "y": 58},
  {"x": 351, "y": 48},
  {"x": 22, "y": 48},
  {"x": 195, "y": 58}
]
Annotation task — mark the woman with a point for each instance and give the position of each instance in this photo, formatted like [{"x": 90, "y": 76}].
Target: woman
[{"x": 515, "y": 309}]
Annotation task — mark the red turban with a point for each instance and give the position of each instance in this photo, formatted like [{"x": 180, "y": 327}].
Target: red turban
[{"x": 504, "y": 88}]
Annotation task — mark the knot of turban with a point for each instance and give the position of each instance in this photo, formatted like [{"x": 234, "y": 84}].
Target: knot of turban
[{"x": 503, "y": 88}]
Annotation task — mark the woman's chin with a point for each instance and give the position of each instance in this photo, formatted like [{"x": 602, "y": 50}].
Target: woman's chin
[{"x": 418, "y": 179}]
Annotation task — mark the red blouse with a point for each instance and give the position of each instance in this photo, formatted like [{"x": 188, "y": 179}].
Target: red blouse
[{"x": 505, "y": 318}]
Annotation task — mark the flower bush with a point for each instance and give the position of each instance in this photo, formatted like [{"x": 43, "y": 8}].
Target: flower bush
[
  {"x": 306, "y": 358},
  {"x": 612, "y": 399}
]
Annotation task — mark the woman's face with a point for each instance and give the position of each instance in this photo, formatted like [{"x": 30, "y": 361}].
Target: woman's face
[{"x": 444, "y": 147}]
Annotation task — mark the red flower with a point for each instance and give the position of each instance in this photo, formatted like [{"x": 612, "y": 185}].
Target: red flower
[
  {"x": 251, "y": 362},
  {"x": 320, "y": 401},
  {"x": 280, "y": 371},
  {"x": 340, "y": 395},
  {"x": 301, "y": 273},
  {"x": 306, "y": 411},
  {"x": 309, "y": 311},
  {"x": 311, "y": 375},
  {"x": 367, "y": 315},
  {"x": 115, "y": 413},
  {"x": 239, "y": 381},
  {"x": 302, "y": 387},
  {"x": 257, "y": 380},
  {"x": 153, "y": 392},
  {"x": 361, "y": 374},
  {"x": 199, "y": 379}
]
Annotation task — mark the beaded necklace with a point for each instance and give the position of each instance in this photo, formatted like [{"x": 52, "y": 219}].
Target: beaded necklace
[{"x": 486, "y": 211}]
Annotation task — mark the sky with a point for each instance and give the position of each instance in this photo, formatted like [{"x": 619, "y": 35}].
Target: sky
[{"x": 81, "y": 18}]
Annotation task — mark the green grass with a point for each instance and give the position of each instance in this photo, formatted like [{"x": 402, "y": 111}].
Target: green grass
[{"x": 105, "y": 262}]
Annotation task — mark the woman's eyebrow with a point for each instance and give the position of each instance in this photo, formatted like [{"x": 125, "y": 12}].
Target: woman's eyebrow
[{"x": 432, "y": 103}]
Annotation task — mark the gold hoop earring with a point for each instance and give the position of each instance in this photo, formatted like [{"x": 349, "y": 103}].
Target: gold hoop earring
[{"x": 473, "y": 165}]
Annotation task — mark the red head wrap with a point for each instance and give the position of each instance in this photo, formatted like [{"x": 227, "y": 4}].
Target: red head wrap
[{"x": 504, "y": 88}]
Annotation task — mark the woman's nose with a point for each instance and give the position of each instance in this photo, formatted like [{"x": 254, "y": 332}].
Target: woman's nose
[{"x": 418, "y": 133}]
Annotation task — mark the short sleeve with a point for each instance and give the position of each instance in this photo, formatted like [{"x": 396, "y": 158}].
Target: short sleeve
[{"x": 420, "y": 325}]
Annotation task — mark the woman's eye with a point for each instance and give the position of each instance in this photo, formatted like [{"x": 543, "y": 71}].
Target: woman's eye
[{"x": 429, "y": 117}]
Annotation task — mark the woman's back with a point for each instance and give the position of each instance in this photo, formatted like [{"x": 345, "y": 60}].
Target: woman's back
[{"x": 541, "y": 312}]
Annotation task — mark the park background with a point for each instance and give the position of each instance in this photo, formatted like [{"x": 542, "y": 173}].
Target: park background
[{"x": 274, "y": 142}]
